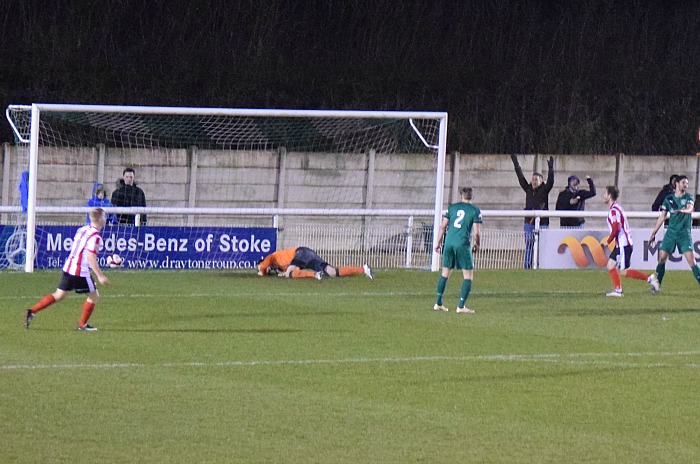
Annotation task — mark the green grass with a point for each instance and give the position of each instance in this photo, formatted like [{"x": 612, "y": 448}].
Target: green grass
[{"x": 229, "y": 367}]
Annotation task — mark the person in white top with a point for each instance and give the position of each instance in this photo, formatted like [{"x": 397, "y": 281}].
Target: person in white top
[
  {"x": 76, "y": 274},
  {"x": 621, "y": 255}
]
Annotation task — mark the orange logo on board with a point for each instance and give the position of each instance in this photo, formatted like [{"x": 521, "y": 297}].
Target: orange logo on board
[{"x": 579, "y": 255}]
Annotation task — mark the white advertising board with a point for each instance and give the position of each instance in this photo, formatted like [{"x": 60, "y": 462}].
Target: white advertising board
[{"x": 581, "y": 249}]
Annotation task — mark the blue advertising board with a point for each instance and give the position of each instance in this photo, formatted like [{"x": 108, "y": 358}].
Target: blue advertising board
[{"x": 148, "y": 247}]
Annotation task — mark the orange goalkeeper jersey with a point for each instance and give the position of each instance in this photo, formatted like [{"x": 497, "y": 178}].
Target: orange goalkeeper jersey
[{"x": 281, "y": 258}]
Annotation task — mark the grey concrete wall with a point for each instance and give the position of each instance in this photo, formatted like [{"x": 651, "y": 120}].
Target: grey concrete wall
[
  {"x": 208, "y": 178},
  {"x": 639, "y": 178}
]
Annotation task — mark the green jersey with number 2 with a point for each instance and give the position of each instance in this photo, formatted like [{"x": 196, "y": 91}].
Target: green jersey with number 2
[{"x": 461, "y": 217}]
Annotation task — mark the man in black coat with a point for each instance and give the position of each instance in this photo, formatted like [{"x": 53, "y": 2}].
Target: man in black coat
[
  {"x": 574, "y": 199},
  {"x": 666, "y": 190},
  {"x": 128, "y": 194}
]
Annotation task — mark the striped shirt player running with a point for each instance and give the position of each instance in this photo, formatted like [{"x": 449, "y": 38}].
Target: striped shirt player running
[
  {"x": 621, "y": 255},
  {"x": 460, "y": 220},
  {"x": 76, "y": 272},
  {"x": 680, "y": 206}
]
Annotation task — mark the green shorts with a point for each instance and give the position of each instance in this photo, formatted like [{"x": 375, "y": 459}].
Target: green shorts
[
  {"x": 457, "y": 257},
  {"x": 670, "y": 242}
]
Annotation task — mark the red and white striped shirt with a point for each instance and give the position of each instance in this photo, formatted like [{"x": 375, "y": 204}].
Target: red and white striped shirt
[
  {"x": 618, "y": 226},
  {"x": 87, "y": 240}
]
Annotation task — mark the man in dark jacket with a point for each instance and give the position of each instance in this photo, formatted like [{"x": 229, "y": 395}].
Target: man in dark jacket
[
  {"x": 666, "y": 190},
  {"x": 574, "y": 199},
  {"x": 536, "y": 198},
  {"x": 128, "y": 194}
]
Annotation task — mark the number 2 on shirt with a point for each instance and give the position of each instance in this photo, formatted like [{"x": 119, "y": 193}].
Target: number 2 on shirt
[{"x": 458, "y": 221}]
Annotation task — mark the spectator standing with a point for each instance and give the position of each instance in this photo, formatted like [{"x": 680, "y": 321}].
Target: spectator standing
[
  {"x": 536, "y": 198},
  {"x": 129, "y": 195},
  {"x": 99, "y": 200},
  {"x": 574, "y": 199},
  {"x": 666, "y": 190}
]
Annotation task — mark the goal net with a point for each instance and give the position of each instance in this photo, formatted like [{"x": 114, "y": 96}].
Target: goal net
[{"x": 224, "y": 187}]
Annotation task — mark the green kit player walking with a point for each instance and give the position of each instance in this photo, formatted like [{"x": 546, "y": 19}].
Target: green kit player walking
[
  {"x": 678, "y": 234},
  {"x": 460, "y": 221}
]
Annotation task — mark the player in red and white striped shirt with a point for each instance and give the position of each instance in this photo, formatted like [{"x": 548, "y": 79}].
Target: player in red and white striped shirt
[
  {"x": 621, "y": 255},
  {"x": 76, "y": 271}
]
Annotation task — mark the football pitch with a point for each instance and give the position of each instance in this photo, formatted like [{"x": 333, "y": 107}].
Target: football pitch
[{"x": 225, "y": 367}]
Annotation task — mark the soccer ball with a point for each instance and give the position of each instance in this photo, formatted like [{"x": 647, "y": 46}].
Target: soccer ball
[{"x": 114, "y": 260}]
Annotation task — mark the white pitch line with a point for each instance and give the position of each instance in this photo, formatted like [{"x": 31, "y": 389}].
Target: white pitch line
[
  {"x": 235, "y": 294},
  {"x": 301, "y": 293},
  {"x": 565, "y": 358}
]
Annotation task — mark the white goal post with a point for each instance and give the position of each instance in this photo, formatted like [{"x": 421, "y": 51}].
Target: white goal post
[{"x": 214, "y": 167}]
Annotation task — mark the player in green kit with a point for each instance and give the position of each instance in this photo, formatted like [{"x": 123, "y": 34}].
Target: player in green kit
[
  {"x": 680, "y": 207},
  {"x": 462, "y": 218}
]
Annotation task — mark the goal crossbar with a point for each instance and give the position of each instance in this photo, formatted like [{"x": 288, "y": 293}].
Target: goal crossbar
[{"x": 252, "y": 112}]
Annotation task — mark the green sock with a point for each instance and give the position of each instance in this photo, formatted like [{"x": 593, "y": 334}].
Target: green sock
[
  {"x": 466, "y": 289},
  {"x": 442, "y": 282},
  {"x": 660, "y": 271},
  {"x": 696, "y": 273}
]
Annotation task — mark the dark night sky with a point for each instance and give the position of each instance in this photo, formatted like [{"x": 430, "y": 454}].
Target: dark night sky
[{"x": 516, "y": 76}]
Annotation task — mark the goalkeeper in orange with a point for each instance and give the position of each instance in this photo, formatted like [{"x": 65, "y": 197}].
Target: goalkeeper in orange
[{"x": 302, "y": 262}]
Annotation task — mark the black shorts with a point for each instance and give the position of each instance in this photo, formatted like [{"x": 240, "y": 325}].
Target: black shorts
[
  {"x": 306, "y": 258},
  {"x": 79, "y": 284},
  {"x": 623, "y": 257}
]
